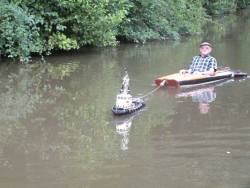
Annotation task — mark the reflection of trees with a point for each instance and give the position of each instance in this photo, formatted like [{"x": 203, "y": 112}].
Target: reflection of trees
[
  {"x": 228, "y": 26},
  {"x": 31, "y": 85},
  {"x": 42, "y": 116},
  {"x": 67, "y": 121},
  {"x": 220, "y": 28}
]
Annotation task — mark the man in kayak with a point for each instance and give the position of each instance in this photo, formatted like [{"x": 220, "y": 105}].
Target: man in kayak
[{"x": 203, "y": 63}]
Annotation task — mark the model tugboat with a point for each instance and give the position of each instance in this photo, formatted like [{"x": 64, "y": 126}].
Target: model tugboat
[{"x": 125, "y": 103}]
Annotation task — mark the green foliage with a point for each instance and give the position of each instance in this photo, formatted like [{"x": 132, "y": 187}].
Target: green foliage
[
  {"x": 60, "y": 40},
  {"x": 38, "y": 26},
  {"x": 242, "y": 3},
  {"x": 224, "y": 6},
  {"x": 220, "y": 7},
  {"x": 93, "y": 22},
  {"x": 19, "y": 35},
  {"x": 188, "y": 16},
  {"x": 143, "y": 21},
  {"x": 161, "y": 19}
]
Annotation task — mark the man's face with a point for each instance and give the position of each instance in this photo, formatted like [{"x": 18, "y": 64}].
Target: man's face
[{"x": 205, "y": 50}]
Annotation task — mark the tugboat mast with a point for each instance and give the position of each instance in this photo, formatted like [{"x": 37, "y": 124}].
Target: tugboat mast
[{"x": 125, "y": 84}]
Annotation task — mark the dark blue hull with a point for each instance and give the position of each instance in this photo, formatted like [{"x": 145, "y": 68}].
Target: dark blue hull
[{"x": 121, "y": 111}]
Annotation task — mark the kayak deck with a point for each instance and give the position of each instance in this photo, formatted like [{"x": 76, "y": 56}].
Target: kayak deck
[{"x": 181, "y": 80}]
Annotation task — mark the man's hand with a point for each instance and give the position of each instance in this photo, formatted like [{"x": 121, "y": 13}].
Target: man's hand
[
  {"x": 182, "y": 71},
  {"x": 211, "y": 72}
]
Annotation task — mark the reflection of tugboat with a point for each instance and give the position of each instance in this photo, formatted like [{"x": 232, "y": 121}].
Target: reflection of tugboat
[
  {"x": 125, "y": 104},
  {"x": 122, "y": 128}
]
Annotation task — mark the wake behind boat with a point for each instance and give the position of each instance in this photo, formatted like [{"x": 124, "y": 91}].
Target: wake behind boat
[{"x": 189, "y": 80}]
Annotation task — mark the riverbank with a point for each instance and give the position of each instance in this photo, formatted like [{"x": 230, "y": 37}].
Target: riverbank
[{"x": 41, "y": 28}]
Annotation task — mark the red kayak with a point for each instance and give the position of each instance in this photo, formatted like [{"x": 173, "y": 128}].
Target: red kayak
[{"x": 182, "y": 80}]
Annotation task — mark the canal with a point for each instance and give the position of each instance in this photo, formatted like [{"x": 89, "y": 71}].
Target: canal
[{"x": 57, "y": 129}]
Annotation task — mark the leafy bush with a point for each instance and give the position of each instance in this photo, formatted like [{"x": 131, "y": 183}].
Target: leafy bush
[
  {"x": 41, "y": 26},
  {"x": 161, "y": 19},
  {"x": 220, "y": 7},
  {"x": 38, "y": 26},
  {"x": 242, "y": 3},
  {"x": 19, "y": 35},
  {"x": 224, "y": 6}
]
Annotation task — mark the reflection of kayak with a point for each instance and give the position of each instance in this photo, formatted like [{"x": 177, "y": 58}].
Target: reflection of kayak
[
  {"x": 180, "y": 80},
  {"x": 201, "y": 95},
  {"x": 190, "y": 91}
]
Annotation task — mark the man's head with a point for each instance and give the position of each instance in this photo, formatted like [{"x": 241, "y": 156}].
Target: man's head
[{"x": 205, "y": 48}]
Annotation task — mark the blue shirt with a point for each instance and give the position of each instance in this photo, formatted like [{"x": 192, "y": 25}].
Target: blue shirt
[{"x": 202, "y": 64}]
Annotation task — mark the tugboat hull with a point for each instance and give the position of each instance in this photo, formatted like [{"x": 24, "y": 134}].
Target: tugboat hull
[{"x": 137, "y": 105}]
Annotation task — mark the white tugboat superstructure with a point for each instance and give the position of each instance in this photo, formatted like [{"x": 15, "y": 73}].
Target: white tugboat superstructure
[
  {"x": 124, "y": 99},
  {"x": 125, "y": 103}
]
